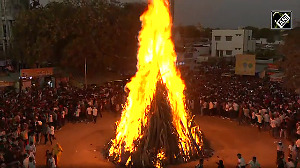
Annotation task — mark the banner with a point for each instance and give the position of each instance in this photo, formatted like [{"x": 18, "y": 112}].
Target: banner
[
  {"x": 36, "y": 72},
  {"x": 273, "y": 67},
  {"x": 5, "y": 83},
  {"x": 245, "y": 64}
]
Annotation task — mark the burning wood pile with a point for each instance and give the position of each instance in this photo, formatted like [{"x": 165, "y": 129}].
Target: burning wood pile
[{"x": 155, "y": 127}]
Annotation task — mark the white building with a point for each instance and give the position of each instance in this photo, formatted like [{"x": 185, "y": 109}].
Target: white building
[
  {"x": 262, "y": 41},
  {"x": 193, "y": 56},
  {"x": 228, "y": 43}
]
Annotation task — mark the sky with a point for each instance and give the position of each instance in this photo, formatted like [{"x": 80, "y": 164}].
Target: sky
[{"x": 229, "y": 14}]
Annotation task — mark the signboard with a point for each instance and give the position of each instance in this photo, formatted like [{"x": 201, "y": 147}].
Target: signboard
[
  {"x": 277, "y": 77},
  {"x": 5, "y": 84},
  {"x": 273, "y": 67},
  {"x": 245, "y": 64},
  {"x": 36, "y": 72}
]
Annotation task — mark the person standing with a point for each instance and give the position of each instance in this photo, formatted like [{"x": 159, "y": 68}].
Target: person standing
[
  {"x": 51, "y": 133},
  {"x": 254, "y": 163},
  {"x": 200, "y": 165},
  {"x": 220, "y": 164},
  {"x": 273, "y": 124},
  {"x": 280, "y": 150},
  {"x": 241, "y": 161},
  {"x": 235, "y": 109},
  {"x": 63, "y": 114},
  {"x": 281, "y": 163},
  {"x": 77, "y": 113},
  {"x": 290, "y": 163},
  {"x": 259, "y": 121},
  {"x": 57, "y": 151},
  {"x": 95, "y": 113},
  {"x": 298, "y": 130},
  {"x": 266, "y": 121},
  {"x": 45, "y": 132},
  {"x": 51, "y": 161},
  {"x": 31, "y": 163},
  {"x": 26, "y": 161},
  {"x": 283, "y": 127},
  {"x": 210, "y": 107},
  {"x": 89, "y": 113}
]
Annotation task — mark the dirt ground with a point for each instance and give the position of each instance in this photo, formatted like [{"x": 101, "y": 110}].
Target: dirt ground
[{"x": 82, "y": 143}]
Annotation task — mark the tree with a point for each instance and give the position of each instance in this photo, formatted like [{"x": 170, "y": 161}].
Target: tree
[
  {"x": 189, "y": 31},
  {"x": 291, "y": 63},
  {"x": 255, "y": 31},
  {"x": 267, "y": 33},
  {"x": 68, "y": 32}
]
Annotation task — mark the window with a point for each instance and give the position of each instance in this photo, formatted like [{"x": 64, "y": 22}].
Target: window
[
  {"x": 228, "y": 52},
  {"x": 228, "y": 38},
  {"x": 238, "y": 34},
  {"x": 217, "y": 38},
  {"x": 237, "y": 48},
  {"x": 249, "y": 38}
]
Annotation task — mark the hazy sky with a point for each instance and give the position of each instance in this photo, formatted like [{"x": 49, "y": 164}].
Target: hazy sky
[{"x": 229, "y": 13}]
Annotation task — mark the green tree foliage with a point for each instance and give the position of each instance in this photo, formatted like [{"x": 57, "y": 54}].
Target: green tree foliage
[
  {"x": 269, "y": 34},
  {"x": 66, "y": 33},
  {"x": 192, "y": 31},
  {"x": 291, "y": 63}
]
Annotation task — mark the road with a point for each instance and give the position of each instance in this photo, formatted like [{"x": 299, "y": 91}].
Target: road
[{"x": 83, "y": 143}]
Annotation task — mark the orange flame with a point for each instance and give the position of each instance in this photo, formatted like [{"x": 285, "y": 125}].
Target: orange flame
[
  {"x": 156, "y": 62},
  {"x": 160, "y": 157}
]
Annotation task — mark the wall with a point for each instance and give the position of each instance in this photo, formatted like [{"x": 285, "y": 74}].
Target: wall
[
  {"x": 236, "y": 45},
  {"x": 241, "y": 42}
]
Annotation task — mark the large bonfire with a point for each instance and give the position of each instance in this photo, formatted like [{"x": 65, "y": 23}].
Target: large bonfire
[{"x": 155, "y": 127}]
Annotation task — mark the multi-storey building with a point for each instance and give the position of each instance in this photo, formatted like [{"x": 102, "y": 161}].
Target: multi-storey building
[{"x": 228, "y": 43}]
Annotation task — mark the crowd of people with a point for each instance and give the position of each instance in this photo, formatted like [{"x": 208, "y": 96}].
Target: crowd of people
[
  {"x": 245, "y": 99},
  {"x": 31, "y": 118}
]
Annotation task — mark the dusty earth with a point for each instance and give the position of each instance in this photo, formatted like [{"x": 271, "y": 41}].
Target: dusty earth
[{"x": 82, "y": 143}]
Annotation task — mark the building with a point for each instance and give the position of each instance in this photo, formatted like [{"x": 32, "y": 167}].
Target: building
[
  {"x": 9, "y": 9},
  {"x": 262, "y": 41},
  {"x": 193, "y": 56},
  {"x": 228, "y": 43}
]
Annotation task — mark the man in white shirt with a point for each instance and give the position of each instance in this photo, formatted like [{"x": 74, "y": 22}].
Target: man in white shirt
[
  {"x": 273, "y": 124},
  {"x": 254, "y": 163},
  {"x": 266, "y": 121},
  {"x": 241, "y": 161},
  {"x": 89, "y": 112},
  {"x": 51, "y": 161}
]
